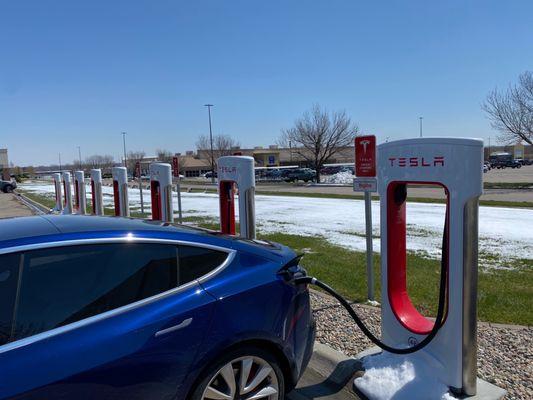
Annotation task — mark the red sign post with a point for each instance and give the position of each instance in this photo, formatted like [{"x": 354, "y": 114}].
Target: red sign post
[
  {"x": 176, "y": 174},
  {"x": 365, "y": 170},
  {"x": 365, "y": 156},
  {"x": 176, "y": 166}
]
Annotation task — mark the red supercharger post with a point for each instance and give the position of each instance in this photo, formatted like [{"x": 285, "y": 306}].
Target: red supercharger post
[
  {"x": 454, "y": 165},
  {"x": 96, "y": 192},
  {"x": 79, "y": 192},
  {"x": 237, "y": 170},
  {"x": 161, "y": 192},
  {"x": 67, "y": 191},
  {"x": 176, "y": 175},
  {"x": 365, "y": 181},
  {"x": 57, "y": 188},
  {"x": 120, "y": 191}
]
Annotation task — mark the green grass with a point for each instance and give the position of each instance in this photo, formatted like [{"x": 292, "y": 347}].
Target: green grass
[
  {"x": 504, "y": 296},
  {"x": 508, "y": 185}
]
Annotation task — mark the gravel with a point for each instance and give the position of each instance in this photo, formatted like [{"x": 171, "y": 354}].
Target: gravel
[{"x": 505, "y": 352}]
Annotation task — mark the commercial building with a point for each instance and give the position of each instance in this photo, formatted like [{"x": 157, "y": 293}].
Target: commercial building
[
  {"x": 516, "y": 150},
  {"x": 195, "y": 164},
  {"x": 275, "y": 156},
  {"x": 4, "y": 164}
]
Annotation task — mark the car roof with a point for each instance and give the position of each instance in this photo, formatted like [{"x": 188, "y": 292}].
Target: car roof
[
  {"x": 24, "y": 227},
  {"x": 45, "y": 228}
]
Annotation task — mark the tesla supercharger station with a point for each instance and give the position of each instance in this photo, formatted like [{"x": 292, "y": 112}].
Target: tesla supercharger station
[
  {"x": 237, "y": 170},
  {"x": 455, "y": 165},
  {"x": 96, "y": 192},
  {"x": 161, "y": 192},
  {"x": 120, "y": 191},
  {"x": 80, "y": 197},
  {"x": 67, "y": 193},
  {"x": 57, "y": 188}
]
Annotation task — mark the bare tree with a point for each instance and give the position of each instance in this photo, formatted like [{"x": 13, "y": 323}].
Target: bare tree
[
  {"x": 164, "y": 155},
  {"x": 133, "y": 158},
  {"x": 318, "y": 135},
  {"x": 223, "y": 145},
  {"x": 104, "y": 162},
  {"x": 511, "y": 111}
]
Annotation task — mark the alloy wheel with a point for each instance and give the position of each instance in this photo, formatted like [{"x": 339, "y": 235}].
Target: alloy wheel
[{"x": 245, "y": 378}]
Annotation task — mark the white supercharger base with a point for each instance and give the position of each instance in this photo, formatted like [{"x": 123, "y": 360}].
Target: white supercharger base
[{"x": 399, "y": 377}]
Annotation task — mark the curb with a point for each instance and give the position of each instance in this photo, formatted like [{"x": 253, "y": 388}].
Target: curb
[{"x": 35, "y": 207}]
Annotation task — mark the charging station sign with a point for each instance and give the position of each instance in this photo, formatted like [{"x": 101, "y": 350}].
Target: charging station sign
[
  {"x": 176, "y": 166},
  {"x": 365, "y": 156}
]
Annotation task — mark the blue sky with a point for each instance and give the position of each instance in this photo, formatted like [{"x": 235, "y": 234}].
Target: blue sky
[{"x": 78, "y": 73}]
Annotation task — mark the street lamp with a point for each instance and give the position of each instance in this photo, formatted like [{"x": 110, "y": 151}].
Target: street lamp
[
  {"x": 211, "y": 143},
  {"x": 124, "y": 143},
  {"x": 79, "y": 154},
  {"x": 290, "y": 150},
  {"x": 421, "y": 125}
]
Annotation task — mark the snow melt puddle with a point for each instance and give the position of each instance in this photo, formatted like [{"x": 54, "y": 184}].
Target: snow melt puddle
[
  {"x": 505, "y": 234},
  {"x": 389, "y": 376}
]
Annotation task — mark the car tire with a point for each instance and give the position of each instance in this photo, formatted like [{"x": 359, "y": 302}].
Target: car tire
[
  {"x": 8, "y": 188},
  {"x": 231, "y": 365}
]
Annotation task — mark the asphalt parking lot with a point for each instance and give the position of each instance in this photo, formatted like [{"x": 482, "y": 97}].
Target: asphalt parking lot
[{"x": 11, "y": 207}]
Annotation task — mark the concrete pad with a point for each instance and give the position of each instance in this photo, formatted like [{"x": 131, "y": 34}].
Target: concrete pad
[
  {"x": 329, "y": 376},
  {"x": 484, "y": 389}
]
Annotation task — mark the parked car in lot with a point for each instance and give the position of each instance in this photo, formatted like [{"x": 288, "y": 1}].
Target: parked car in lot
[
  {"x": 523, "y": 161},
  {"x": 114, "y": 308},
  {"x": 300, "y": 174},
  {"x": 210, "y": 174},
  {"x": 330, "y": 170},
  {"x": 7, "y": 186}
]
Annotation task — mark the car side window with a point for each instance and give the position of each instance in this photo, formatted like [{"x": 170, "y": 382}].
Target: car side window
[
  {"x": 66, "y": 284},
  {"x": 9, "y": 276},
  {"x": 195, "y": 262}
]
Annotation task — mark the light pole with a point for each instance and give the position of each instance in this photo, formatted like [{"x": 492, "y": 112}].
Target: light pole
[
  {"x": 211, "y": 143},
  {"x": 79, "y": 155},
  {"x": 59, "y": 162},
  {"x": 290, "y": 150},
  {"x": 421, "y": 118},
  {"x": 124, "y": 143}
]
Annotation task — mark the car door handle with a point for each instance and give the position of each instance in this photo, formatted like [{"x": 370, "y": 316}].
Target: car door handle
[{"x": 184, "y": 324}]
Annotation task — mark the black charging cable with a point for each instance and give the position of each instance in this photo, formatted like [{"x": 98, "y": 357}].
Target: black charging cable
[{"x": 439, "y": 321}]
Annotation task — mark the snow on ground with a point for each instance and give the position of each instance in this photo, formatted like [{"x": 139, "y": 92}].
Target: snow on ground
[
  {"x": 505, "y": 233},
  {"x": 390, "y": 376},
  {"x": 345, "y": 177}
]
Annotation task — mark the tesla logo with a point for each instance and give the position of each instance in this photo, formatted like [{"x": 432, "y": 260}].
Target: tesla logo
[
  {"x": 364, "y": 143},
  {"x": 416, "y": 161}
]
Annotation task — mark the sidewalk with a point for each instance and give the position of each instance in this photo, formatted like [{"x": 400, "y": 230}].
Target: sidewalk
[
  {"x": 11, "y": 207},
  {"x": 329, "y": 376}
]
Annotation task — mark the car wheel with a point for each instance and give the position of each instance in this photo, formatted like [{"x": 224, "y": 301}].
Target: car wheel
[
  {"x": 8, "y": 188},
  {"x": 245, "y": 374}
]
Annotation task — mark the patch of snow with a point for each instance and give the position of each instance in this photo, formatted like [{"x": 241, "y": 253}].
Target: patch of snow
[
  {"x": 391, "y": 376},
  {"x": 344, "y": 177},
  {"x": 504, "y": 233}
]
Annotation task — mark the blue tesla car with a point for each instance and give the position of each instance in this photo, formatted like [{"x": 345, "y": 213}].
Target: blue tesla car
[{"x": 114, "y": 308}]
